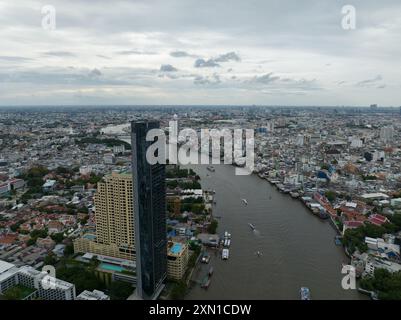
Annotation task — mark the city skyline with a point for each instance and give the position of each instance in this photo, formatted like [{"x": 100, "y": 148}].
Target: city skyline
[
  {"x": 153, "y": 53},
  {"x": 217, "y": 152}
]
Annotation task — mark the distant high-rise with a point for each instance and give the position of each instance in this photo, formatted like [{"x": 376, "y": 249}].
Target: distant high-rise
[
  {"x": 150, "y": 214},
  {"x": 387, "y": 134}
]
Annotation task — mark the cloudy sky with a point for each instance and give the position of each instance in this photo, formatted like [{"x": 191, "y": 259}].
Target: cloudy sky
[{"x": 267, "y": 52}]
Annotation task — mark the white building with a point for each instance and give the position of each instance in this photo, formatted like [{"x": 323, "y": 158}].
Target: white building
[
  {"x": 45, "y": 286},
  {"x": 118, "y": 149},
  {"x": 49, "y": 185},
  {"x": 299, "y": 140},
  {"x": 85, "y": 170},
  {"x": 387, "y": 134},
  {"x": 109, "y": 158},
  {"x": 380, "y": 244},
  {"x": 270, "y": 126},
  {"x": 94, "y": 295},
  {"x": 356, "y": 143}
]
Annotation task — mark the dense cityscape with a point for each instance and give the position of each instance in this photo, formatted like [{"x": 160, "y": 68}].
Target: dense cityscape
[
  {"x": 190, "y": 159},
  {"x": 70, "y": 198}
]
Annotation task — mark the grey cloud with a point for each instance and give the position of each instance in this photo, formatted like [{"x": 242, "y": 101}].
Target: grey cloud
[
  {"x": 202, "y": 63},
  {"x": 62, "y": 54},
  {"x": 207, "y": 80},
  {"x": 215, "y": 62},
  {"x": 369, "y": 82},
  {"x": 62, "y": 76},
  {"x": 275, "y": 82},
  {"x": 167, "y": 68},
  {"x": 103, "y": 57},
  {"x": 95, "y": 73},
  {"x": 135, "y": 52},
  {"x": 182, "y": 54},
  {"x": 230, "y": 56},
  {"x": 14, "y": 59},
  {"x": 266, "y": 78}
]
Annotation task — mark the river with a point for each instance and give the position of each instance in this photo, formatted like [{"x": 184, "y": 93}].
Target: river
[{"x": 297, "y": 248}]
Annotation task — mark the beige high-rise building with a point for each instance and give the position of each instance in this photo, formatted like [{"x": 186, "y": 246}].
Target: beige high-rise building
[
  {"x": 114, "y": 216},
  {"x": 115, "y": 226},
  {"x": 177, "y": 260}
]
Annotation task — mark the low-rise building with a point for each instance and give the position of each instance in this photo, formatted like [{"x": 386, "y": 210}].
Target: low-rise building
[
  {"x": 92, "y": 295},
  {"x": 49, "y": 185}
]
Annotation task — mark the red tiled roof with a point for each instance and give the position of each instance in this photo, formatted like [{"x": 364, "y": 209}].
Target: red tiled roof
[
  {"x": 378, "y": 219},
  {"x": 353, "y": 224}
]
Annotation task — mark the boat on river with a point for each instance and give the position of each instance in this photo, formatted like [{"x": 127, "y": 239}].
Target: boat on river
[
  {"x": 225, "y": 254},
  {"x": 305, "y": 293}
]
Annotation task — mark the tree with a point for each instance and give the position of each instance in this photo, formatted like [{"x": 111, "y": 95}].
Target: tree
[
  {"x": 84, "y": 278},
  {"x": 69, "y": 249},
  {"x": 39, "y": 234},
  {"x": 57, "y": 237},
  {"x": 386, "y": 284},
  {"x": 120, "y": 290},
  {"x": 31, "y": 241},
  {"x": 13, "y": 293},
  {"x": 213, "y": 226},
  {"x": 15, "y": 227},
  {"x": 179, "y": 290},
  {"x": 330, "y": 195},
  {"x": 50, "y": 259}
]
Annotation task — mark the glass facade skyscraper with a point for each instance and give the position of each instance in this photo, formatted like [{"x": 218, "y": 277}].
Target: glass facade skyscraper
[{"x": 150, "y": 214}]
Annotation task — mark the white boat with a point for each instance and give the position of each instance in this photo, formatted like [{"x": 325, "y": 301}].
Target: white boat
[
  {"x": 205, "y": 258},
  {"x": 245, "y": 201},
  {"x": 252, "y": 226},
  {"x": 224, "y": 254},
  {"x": 305, "y": 293}
]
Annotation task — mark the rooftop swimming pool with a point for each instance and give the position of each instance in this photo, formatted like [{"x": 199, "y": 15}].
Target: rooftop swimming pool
[
  {"x": 89, "y": 236},
  {"x": 176, "y": 248},
  {"x": 111, "y": 267}
]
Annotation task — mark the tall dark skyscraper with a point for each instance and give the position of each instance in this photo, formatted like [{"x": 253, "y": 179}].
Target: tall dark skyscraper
[{"x": 150, "y": 214}]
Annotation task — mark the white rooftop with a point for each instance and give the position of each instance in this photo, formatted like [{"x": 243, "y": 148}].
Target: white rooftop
[
  {"x": 375, "y": 195},
  {"x": 351, "y": 204},
  {"x": 4, "y": 266}
]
